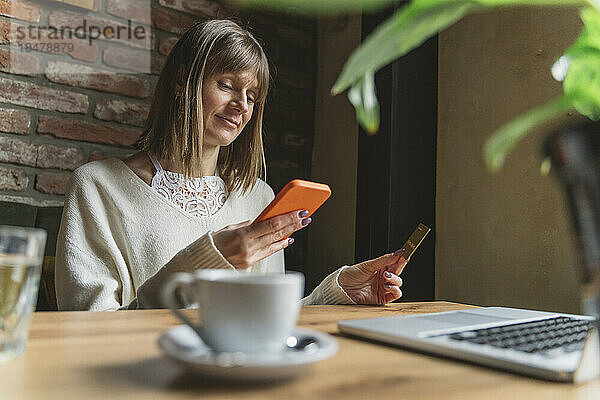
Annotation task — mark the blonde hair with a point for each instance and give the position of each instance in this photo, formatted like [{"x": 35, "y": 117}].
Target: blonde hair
[{"x": 174, "y": 128}]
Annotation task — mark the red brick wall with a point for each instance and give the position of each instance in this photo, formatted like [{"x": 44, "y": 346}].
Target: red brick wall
[{"x": 59, "y": 110}]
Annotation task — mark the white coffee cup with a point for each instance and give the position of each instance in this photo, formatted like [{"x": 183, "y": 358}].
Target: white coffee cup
[{"x": 249, "y": 313}]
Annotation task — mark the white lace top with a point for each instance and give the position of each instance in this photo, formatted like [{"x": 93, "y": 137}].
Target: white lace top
[{"x": 201, "y": 197}]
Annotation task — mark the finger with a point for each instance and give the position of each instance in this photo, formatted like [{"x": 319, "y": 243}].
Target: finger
[
  {"x": 392, "y": 279},
  {"x": 399, "y": 265},
  {"x": 278, "y": 223},
  {"x": 284, "y": 231},
  {"x": 379, "y": 262},
  {"x": 394, "y": 293},
  {"x": 273, "y": 248}
]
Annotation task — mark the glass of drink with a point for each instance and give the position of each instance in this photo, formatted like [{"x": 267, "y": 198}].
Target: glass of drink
[{"x": 21, "y": 254}]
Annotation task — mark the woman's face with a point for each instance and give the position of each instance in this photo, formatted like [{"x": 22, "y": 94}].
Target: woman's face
[{"x": 227, "y": 102}]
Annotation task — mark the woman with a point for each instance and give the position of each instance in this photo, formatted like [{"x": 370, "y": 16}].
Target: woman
[{"x": 186, "y": 200}]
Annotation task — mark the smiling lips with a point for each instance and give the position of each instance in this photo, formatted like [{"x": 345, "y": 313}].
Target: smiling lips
[{"x": 230, "y": 122}]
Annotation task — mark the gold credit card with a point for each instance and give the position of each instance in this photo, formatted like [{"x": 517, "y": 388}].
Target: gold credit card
[{"x": 415, "y": 240}]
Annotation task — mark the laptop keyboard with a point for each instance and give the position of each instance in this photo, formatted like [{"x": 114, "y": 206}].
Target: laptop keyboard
[{"x": 562, "y": 334}]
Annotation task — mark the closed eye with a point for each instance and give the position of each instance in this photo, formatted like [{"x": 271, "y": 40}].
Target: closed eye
[
  {"x": 227, "y": 86},
  {"x": 251, "y": 96}
]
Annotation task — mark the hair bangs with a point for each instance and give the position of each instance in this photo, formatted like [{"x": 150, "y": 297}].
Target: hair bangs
[{"x": 238, "y": 53}]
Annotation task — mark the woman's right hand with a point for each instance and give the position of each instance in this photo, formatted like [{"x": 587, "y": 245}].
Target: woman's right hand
[{"x": 246, "y": 243}]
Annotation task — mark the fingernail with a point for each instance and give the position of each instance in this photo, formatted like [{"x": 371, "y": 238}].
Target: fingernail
[
  {"x": 306, "y": 221},
  {"x": 303, "y": 214},
  {"x": 290, "y": 241},
  {"x": 399, "y": 252},
  {"x": 387, "y": 274},
  {"x": 387, "y": 286}
]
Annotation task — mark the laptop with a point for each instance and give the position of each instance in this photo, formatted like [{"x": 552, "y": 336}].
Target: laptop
[{"x": 553, "y": 346}]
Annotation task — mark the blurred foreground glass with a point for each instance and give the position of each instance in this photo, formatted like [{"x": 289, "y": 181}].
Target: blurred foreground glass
[{"x": 21, "y": 254}]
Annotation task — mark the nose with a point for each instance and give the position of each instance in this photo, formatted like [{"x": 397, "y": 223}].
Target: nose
[{"x": 240, "y": 103}]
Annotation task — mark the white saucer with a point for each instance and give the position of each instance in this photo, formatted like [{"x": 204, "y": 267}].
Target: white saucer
[{"x": 183, "y": 345}]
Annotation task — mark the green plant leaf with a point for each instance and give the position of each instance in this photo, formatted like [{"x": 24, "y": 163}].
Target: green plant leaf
[
  {"x": 582, "y": 81},
  {"x": 407, "y": 29},
  {"x": 328, "y": 7},
  {"x": 363, "y": 97},
  {"x": 506, "y": 138},
  {"x": 582, "y": 84},
  {"x": 348, "y": 6},
  {"x": 550, "y": 3},
  {"x": 589, "y": 40},
  {"x": 545, "y": 166},
  {"x": 411, "y": 26},
  {"x": 595, "y": 4}
]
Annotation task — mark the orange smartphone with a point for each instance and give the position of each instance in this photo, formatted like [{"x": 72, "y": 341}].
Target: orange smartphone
[{"x": 296, "y": 195}]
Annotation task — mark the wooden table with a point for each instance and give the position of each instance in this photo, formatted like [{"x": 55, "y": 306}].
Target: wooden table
[{"x": 114, "y": 355}]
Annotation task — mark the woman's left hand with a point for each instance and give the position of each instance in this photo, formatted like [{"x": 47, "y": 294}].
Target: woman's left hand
[{"x": 374, "y": 281}]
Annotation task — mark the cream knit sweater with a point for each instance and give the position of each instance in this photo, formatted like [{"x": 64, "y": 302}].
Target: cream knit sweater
[{"x": 116, "y": 232}]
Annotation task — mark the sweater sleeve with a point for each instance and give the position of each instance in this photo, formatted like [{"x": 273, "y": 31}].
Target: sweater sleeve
[
  {"x": 89, "y": 265},
  {"x": 201, "y": 254},
  {"x": 329, "y": 291}
]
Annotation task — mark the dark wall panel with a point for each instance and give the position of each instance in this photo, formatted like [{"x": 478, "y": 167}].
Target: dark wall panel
[{"x": 396, "y": 167}]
